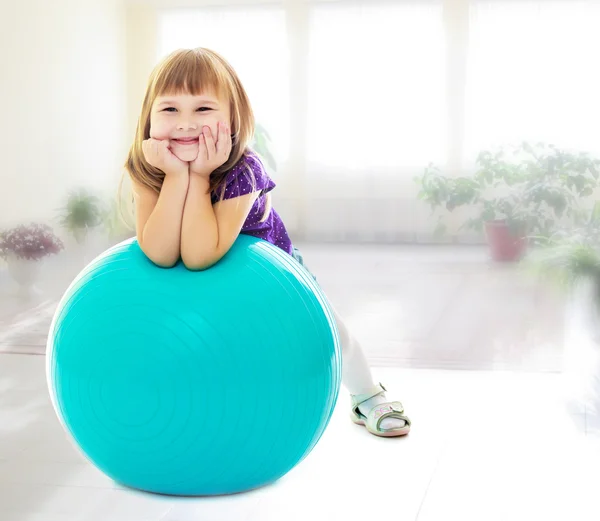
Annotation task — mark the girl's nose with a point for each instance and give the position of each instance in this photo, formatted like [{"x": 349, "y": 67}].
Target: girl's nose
[{"x": 186, "y": 125}]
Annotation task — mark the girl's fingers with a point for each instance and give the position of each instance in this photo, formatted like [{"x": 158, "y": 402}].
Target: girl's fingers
[
  {"x": 166, "y": 150},
  {"x": 209, "y": 142},
  {"x": 224, "y": 141},
  {"x": 202, "y": 149}
]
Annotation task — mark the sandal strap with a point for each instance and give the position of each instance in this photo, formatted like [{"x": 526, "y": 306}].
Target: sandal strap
[
  {"x": 383, "y": 411},
  {"x": 358, "y": 399}
]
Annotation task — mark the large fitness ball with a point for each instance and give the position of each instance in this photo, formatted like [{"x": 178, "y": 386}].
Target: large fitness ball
[{"x": 194, "y": 383}]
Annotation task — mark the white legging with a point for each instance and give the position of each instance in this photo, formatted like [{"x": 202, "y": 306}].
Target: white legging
[{"x": 356, "y": 374}]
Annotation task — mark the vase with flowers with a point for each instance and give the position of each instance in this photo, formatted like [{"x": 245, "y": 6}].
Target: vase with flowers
[{"x": 24, "y": 247}]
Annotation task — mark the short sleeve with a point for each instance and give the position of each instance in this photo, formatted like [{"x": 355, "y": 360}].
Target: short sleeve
[{"x": 247, "y": 176}]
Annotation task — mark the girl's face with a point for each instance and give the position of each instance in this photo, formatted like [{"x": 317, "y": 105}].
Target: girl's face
[{"x": 180, "y": 119}]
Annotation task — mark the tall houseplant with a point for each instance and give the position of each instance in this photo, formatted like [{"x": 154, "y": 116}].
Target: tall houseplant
[{"x": 515, "y": 193}]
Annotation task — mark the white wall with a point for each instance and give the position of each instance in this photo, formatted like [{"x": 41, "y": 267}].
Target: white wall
[
  {"x": 141, "y": 22},
  {"x": 63, "y": 92}
]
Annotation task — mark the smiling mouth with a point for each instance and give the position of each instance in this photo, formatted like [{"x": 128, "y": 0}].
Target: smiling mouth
[{"x": 186, "y": 141}]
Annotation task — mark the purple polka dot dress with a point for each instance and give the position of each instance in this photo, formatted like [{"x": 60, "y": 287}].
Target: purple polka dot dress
[{"x": 247, "y": 175}]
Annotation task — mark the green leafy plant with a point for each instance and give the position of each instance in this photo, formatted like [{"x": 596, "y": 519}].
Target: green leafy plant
[
  {"x": 532, "y": 188},
  {"x": 81, "y": 212},
  {"x": 572, "y": 254}
]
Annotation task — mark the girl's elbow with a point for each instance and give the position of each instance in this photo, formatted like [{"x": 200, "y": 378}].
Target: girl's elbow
[
  {"x": 198, "y": 263},
  {"x": 160, "y": 259},
  {"x": 195, "y": 264},
  {"x": 164, "y": 263}
]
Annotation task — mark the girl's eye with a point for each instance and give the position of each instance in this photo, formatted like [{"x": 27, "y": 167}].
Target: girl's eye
[{"x": 173, "y": 109}]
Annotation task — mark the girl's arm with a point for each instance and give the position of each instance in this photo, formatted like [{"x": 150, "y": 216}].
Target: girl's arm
[
  {"x": 158, "y": 219},
  {"x": 158, "y": 216},
  {"x": 209, "y": 231}
]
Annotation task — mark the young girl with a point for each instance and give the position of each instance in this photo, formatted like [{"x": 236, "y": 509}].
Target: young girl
[{"x": 197, "y": 185}]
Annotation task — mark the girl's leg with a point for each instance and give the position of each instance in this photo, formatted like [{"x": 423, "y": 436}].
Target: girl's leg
[{"x": 356, "y": 374}]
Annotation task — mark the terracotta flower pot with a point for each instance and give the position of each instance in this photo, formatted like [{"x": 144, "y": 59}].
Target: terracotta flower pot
[{"x": 505, "y": 245}]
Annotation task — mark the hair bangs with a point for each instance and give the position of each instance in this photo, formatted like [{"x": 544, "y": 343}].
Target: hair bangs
[{"x": 192, "y": 73}]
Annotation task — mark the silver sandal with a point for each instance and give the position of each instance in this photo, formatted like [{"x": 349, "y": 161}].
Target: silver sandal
[{"x": 377, "y": 414}]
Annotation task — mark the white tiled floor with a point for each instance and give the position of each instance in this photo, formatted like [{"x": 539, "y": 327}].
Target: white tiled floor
[
  {"x": 410, "y": 306},
  {"x": 485, "y": 445},
  {"x": 491, "y": 439}
]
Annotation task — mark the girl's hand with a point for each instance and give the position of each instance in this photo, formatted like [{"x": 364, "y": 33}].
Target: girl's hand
[
  {"x": 211, "y": 154},
  {"x": 158, "y": 154}
]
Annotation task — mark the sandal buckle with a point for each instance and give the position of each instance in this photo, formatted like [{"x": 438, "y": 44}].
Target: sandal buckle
[{"x": 378, "y": 413}]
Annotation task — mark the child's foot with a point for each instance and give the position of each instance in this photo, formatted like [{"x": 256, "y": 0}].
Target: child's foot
[
  {"x": 379, "y": 416},
  {"x": 387, "y": 423}
]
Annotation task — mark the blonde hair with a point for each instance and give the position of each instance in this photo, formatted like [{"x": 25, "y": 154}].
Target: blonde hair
[{"x": 193, "y": 71}]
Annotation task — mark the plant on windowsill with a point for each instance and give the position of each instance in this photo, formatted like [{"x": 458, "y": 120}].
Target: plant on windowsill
[{"x": 516, "y": 194}]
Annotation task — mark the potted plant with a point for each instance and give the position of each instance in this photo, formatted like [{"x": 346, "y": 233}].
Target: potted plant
[
  {"x": 515, "y": 194},
  {"x": 81, "y": 212},
  {"x": 24, "y": 247}
]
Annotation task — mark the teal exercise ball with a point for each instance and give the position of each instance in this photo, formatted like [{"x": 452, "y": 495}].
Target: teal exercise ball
[{"x": 194, "y": 382}]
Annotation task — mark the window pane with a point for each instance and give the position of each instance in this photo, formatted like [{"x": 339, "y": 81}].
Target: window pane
[
  {"x": 253, "y": 40},
  {"x": 376, "y": 85},
  {"x": 533, "y": 74}
]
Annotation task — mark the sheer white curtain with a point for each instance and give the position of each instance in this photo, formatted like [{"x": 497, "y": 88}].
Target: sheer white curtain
[
  {"x": 254, "y": 40},
  {"x": 375, "y": 87},
  {"x": 364, "y": 89},
  {"x": 376, "y": 115},
  {"x": 533, "y": 74},
  {"x": 369, "y": 105}
]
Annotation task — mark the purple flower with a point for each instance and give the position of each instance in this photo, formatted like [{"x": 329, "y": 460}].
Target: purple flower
[{"x": 32, "y": 242}]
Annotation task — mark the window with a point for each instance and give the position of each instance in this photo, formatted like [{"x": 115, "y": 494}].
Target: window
[
  {"x": 374, "y": 90},
  {"x": 376, "y": 85},
  {"x": 533, "y": 74}
]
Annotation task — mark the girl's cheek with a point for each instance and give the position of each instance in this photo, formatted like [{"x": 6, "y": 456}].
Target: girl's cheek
[{"x": 158, "y": 131}]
